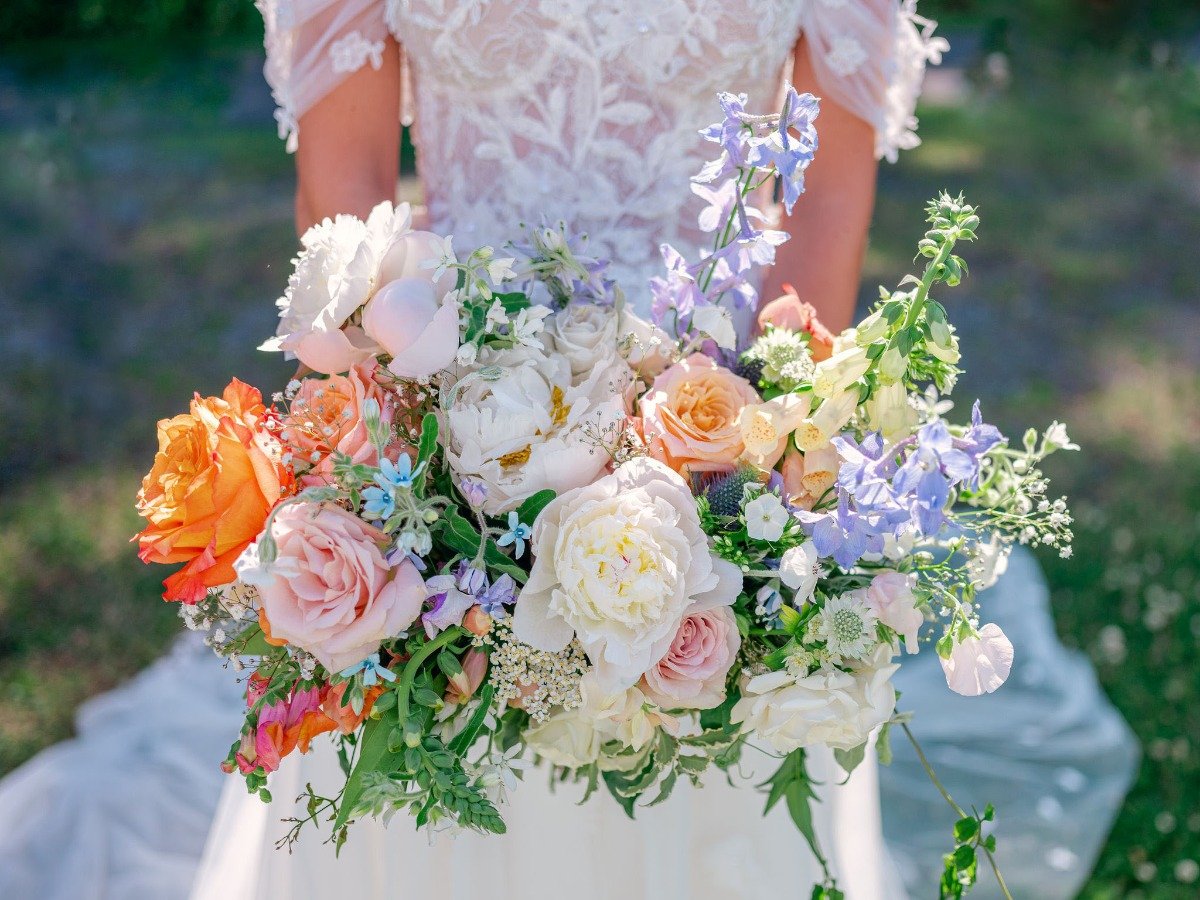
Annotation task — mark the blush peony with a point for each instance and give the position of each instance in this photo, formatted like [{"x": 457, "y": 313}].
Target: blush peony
[
  {"x": 330, "y": 591},
  {"x": 216, "y": 476},
  {"x": 691, "y": 415},
  {"x": 619, "y": 564}
]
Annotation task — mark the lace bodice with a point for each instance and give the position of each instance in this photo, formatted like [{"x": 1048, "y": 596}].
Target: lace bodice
[{"x": 588, "y": 110}]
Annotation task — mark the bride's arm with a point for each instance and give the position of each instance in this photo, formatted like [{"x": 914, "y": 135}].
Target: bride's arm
[
  {"x": 829, "y": 224},
  {"x": 349, "y": 154}
]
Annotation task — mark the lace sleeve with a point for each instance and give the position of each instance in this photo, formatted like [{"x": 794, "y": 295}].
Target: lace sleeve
[
  {"x": 870, "y": 57},
  {"x": 312, "y": 45}
]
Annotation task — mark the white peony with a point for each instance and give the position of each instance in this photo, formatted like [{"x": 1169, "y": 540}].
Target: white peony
[
  {"x": 618, "y": 564},
  {"x": 831, "y": 707},
  {"x": 521, "y": 423},
  {"x": 342, "y": 264}
]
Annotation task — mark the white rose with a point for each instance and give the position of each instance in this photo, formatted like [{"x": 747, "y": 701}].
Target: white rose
[
  {"x": 831, "y": 707},
  {"x": 645, "y": 346},
  {"x": 618, "y": 564},
  {"x": 570, "y": 738},
  {"x": 523, "y": 426},
  {"x": 586, "y": 335}
]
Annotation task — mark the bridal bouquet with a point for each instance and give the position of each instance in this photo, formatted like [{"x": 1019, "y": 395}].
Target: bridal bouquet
[{"x": 500, "y": 517}]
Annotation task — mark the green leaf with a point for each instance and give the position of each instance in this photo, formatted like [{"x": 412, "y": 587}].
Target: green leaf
[
  {"x": 512, "y": 302},
  {"x": 464, "y": 739},
  {"x": 427, "y": 444},
  {"x": 528, "y": 511},
  {"x": 849, "y": 759},
  {"x": 965, "y": 829},
  {"x": 373, "y": 756},
  {"x": 255, "y": 642},
  {"x": 789, "y": 617},
  {"x": 718, "y": 717},
  {"x": 883, "y": 744}
]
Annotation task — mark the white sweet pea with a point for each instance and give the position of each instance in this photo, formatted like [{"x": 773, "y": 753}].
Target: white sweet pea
[
  {"x": 827, "y": 421},
  {"x": 717, "y": 323},
  {"x": 799, "y": 569},
  {"x": 980, "y": 664},
  {"x": 890, "y": 413},
  {"x": 836, "y": 374},
  {"x": 766, "y": 517}
]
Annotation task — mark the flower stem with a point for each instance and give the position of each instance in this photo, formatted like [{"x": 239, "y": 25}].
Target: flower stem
[
  {"x": 962, "y": 813},
  {"x": 922, "y": 292}
]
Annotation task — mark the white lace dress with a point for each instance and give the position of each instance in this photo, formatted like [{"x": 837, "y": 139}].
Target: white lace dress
[{"x": 586, "y": 111}]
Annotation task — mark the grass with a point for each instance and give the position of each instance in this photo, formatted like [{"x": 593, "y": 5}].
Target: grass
[{"x": 145, "y": 220}]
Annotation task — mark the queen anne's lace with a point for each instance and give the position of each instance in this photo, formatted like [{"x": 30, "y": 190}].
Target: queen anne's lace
[{"x": 587, "y": 110}]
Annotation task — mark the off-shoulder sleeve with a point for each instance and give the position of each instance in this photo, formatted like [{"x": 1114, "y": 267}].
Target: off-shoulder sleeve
[
  {"x": 312, "y": 45},
  {"x": 870, "y": 56}
]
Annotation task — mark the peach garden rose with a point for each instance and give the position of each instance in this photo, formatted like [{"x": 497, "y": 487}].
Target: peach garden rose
[
  {"x": 691, "y": 414},
  {"x": 692, "y": 672}
]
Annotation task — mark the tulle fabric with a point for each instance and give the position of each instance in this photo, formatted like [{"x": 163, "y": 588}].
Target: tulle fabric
[{"x": 121, "y": 811}]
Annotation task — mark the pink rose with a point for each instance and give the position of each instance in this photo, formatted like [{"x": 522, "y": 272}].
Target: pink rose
[
  {"x": 979, "y": 664},
  {"x": 326, "y": 416},
  {"x": 330, "y": 591},
  {"x": 691, "y": 674},
  {"x": 420, "y": 333},
  {"x": 690, "y": 415},
  {"x": 892, "y": 599}
]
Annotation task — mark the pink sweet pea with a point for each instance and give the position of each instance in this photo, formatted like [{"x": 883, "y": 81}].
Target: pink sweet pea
[{"x": 980, "y": 664}]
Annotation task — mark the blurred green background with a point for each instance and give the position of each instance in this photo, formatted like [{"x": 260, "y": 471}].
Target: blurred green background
[{"x": 145, "y": 227}]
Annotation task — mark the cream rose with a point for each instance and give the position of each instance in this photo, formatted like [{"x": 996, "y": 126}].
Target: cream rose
[
  {"x": 526, "y": 426},
  {"x": 586, "y": 335},
  {"x": 691, "y": 674},
  {"x": 329, "y": 590},
  {"x": 618, "y": 564},
  {"x": 831, "y": 707}
]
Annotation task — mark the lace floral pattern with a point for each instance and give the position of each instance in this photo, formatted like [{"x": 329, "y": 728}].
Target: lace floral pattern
[{"x": 587, "y": 110}]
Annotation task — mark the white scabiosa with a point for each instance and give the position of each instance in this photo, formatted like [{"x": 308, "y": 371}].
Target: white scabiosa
[{"x": 847, "y": 626}]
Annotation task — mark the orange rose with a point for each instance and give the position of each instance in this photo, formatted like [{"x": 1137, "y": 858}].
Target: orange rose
[
  {"x": 216, "y": 476},
  {"x": 690, "y": 415},
  {"x": 790, "y": 312}
]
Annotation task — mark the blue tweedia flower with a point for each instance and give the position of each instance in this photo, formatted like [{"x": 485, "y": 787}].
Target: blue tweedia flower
[
  {"x": 518, "y": 533},
  {"x": 397, "y": 475},
  {"x": 496, "y": 596},
  {"x": 371, "y": 671},
  {"x": 378, "y": 502}
]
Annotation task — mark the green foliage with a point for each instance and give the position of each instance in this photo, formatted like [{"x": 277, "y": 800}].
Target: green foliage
[
  {"x": 962, "y": 863},
  {"x": 791, "y": 784}
]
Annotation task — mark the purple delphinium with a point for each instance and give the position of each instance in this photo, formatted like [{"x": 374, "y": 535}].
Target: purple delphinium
[
  {"x": 789, "y": 153},
  {"x": 451, "y": 596},
  {"x": 978, "y": 440},
  {"x": 847, "y": 533},
  {"x": 930, "y": 470},
  {"x": 731, "y": 134},
  {"x": 677, "y": 291}
]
